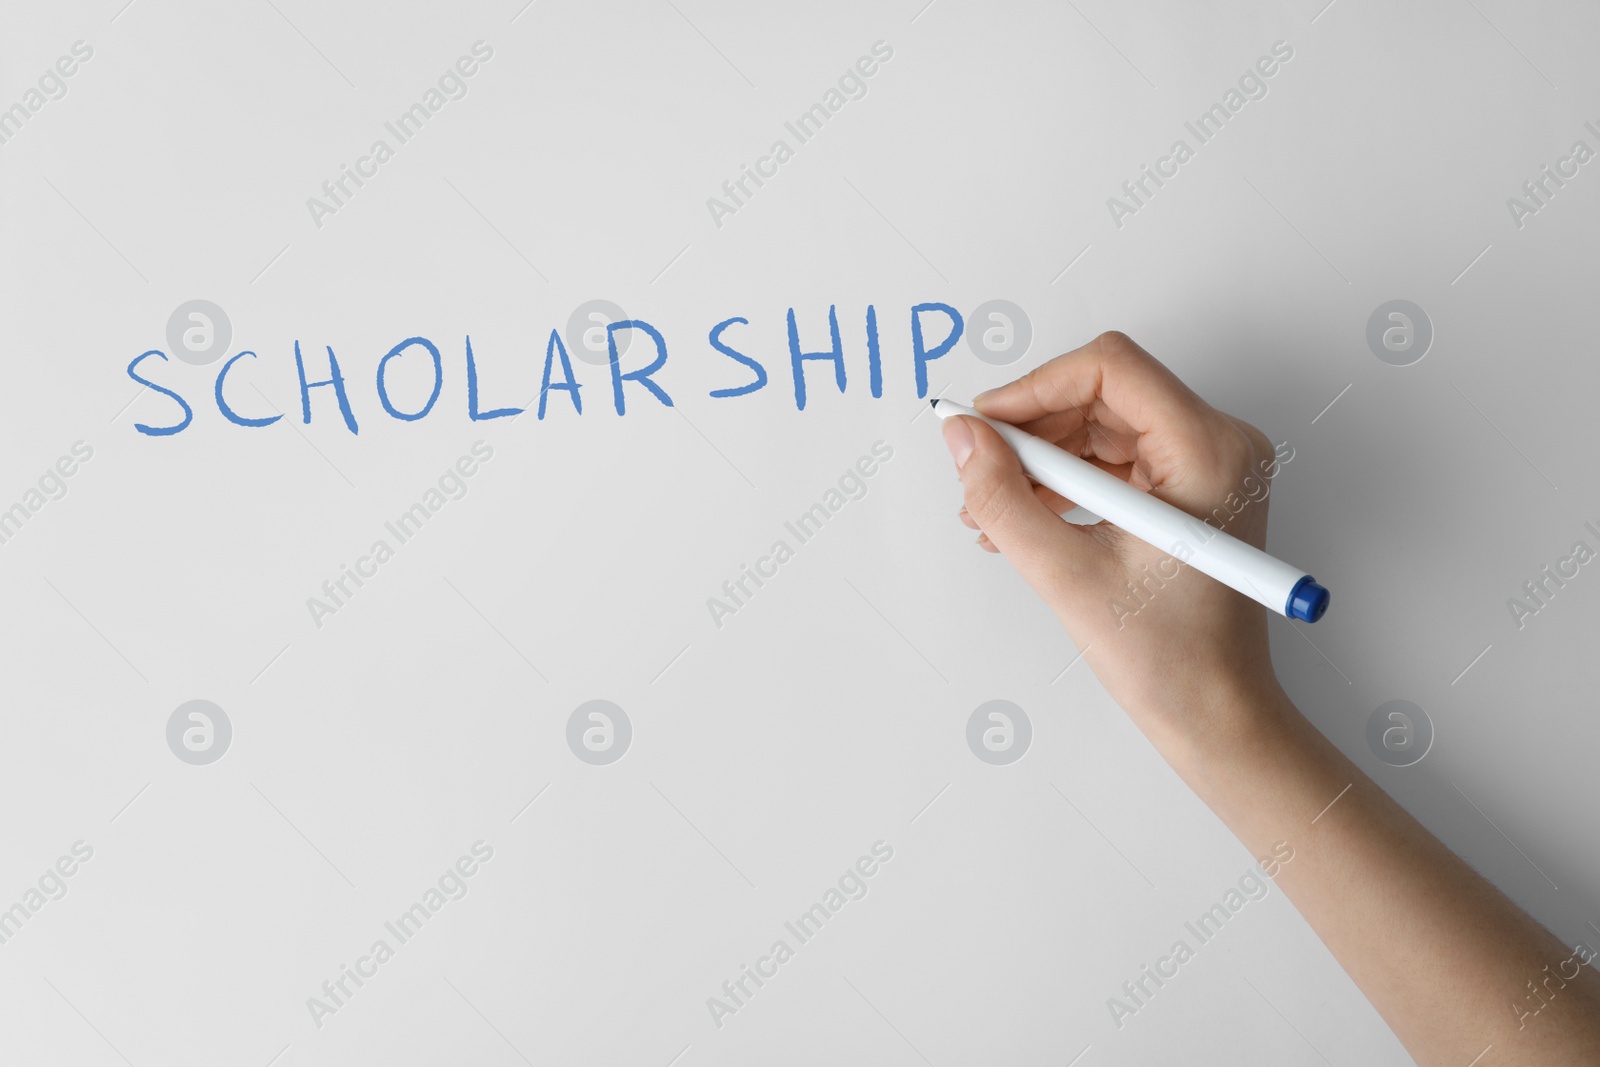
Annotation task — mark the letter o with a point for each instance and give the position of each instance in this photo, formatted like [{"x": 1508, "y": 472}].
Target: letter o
[{"x": 438, "y": 378}]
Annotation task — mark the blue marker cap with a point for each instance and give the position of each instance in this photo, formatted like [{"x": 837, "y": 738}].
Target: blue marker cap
[{"x": 1307, "y": 600}]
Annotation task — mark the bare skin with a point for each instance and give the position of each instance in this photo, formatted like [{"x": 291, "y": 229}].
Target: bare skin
[{"x": 1448, "y": 961}]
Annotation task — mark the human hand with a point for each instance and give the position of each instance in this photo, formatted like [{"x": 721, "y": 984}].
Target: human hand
[{"x": 1179, "y": 651}]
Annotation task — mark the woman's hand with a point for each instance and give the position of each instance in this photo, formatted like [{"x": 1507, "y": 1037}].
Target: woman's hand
[
  {"x": 1187, "y": 658},
  {"x": 1178, "y": 650}
]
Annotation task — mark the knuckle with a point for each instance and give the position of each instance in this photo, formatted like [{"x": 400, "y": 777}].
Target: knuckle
[
  {"x": 1120, "y": 350},
  {"x": 1233, "y": 451},
  {"x": 1117, "y": 347},
  {"x": 1115, "y": 341},
  {"x": 1255, "y": 443}
]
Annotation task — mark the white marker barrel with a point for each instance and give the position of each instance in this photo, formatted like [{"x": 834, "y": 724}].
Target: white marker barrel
[{"x": 1285, "y": 589}]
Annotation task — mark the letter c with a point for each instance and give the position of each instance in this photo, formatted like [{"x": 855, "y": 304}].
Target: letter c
[
  {"x": 764, "y": 173},
  {"x": 366, "y": 974},
  {"x": 762, "y": 973},
  {"x": 222, "y": 405},
  {"x": 765, "y": 573},
  {"x": 1563, "y": 570},
  {"x": 1164, "y": 973},
  {"x": 1564, "y": 172},
  {"x": 1166, "y": 173},
  {"x": 366, "y": 574}
]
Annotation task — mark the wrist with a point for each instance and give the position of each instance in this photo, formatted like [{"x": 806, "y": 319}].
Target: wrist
[{"x": 1232, "y": 726}]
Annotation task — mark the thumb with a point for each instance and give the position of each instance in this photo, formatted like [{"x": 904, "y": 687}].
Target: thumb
[{"x": 1060, "y": 560}]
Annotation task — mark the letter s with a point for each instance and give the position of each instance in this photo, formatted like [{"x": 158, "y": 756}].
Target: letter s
[
  {"x": 485, "y": 852},
  {"x": 1283, "y": 50},
  {"x": 883, "y": 50},
  {"x": 85, "y": 853},
  {"x": 83, "y": 50},
  {"x": 188, "y": 412},
  {"x": 883, "y": 850},
  {"x": 715, "y": 338},
  {"x": 483, "y": 51}
]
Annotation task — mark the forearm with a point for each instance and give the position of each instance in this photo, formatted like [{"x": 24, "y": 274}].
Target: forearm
[{"x": 1438, "y": 951}]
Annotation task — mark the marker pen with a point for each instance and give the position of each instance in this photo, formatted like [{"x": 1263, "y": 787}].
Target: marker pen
[{"x": 1287, "y": 590}]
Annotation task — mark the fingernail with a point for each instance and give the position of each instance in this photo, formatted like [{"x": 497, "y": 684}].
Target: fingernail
[
  {"x": 980, "y": 396},
  {"x": 958, "y": 439}
]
